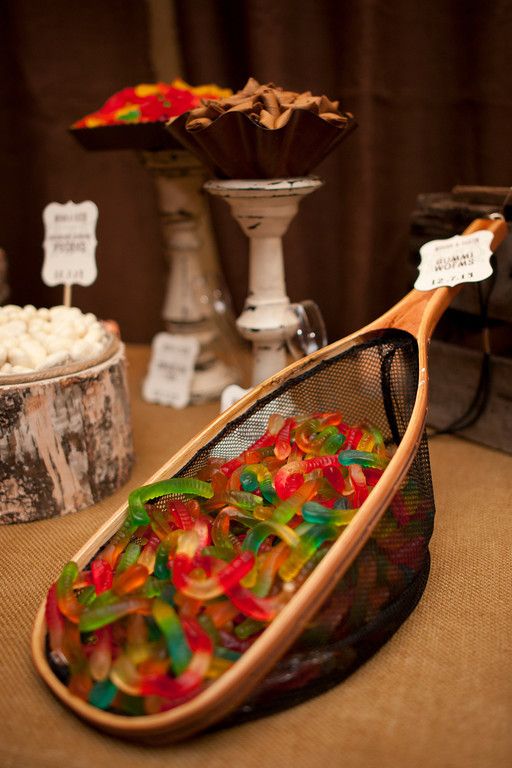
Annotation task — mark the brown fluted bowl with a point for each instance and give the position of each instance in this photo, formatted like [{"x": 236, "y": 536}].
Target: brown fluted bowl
[{"x": 235, "y": 147}]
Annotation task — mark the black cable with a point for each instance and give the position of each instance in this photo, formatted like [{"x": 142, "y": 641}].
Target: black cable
[{"x": 481, "y": 397}]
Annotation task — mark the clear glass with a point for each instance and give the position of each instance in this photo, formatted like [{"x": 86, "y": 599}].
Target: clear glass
[{"x": 310, "y": 334}]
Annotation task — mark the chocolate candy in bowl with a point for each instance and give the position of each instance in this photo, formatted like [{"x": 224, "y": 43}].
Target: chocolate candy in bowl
[{"x": 263, "y": 132}]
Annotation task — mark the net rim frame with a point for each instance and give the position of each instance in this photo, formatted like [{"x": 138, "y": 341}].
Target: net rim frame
[{"x": 183, "y": 718}]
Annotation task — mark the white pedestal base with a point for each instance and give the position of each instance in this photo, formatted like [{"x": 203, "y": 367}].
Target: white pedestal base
[
  {"x": 264, "y": 210},
  {"x": 189, "y": 246}
]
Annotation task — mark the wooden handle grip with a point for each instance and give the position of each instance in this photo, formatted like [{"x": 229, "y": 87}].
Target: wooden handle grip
[
  {"x": 497, "y": 226},
  {"x": 419, "y": 312}
]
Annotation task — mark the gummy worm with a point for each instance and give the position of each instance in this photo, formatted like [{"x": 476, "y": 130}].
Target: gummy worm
[
  {"x": 363, "y": 458},
  {"x": 99, "y": 616},
  {"x": 259, "y": 533},
  {"x": 130, "y": 580},
  {"x": 170, "y": 625},
  {"x": 313, "y": 512},
  {"x": 308, "y": 545},
  {"x": 137, "y": 498},
  {"x": 66, "y": 598}
]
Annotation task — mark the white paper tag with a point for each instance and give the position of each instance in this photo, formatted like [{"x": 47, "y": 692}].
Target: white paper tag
[
  {"x": 70, "y": 243},
  {"x": 171, "y": 368},
  {"x": 458, "y": 259}
]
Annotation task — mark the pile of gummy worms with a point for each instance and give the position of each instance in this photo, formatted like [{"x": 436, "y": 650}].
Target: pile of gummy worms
[{"x": 186, "y": 584}]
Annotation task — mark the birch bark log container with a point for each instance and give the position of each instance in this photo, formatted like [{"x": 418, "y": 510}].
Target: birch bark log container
[{"x": 65, "y": 437}]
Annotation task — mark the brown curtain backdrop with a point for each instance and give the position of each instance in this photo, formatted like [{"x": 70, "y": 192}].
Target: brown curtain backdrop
[
  {"x": 60, "y": 60},
  {"x": 429, "y": 83}
]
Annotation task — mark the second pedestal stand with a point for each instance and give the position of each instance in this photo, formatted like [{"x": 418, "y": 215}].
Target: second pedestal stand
[
  {"x": 264, "y": 210},
  {"x": 190, "y": 250}
]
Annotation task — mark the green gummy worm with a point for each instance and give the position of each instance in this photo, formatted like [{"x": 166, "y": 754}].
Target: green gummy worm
[
  {"x": 187, "y": 485},
  {"x": 129, "y": 557},
  {"x": 170, "y": 626},
  {"x": 67, "y": 578}
]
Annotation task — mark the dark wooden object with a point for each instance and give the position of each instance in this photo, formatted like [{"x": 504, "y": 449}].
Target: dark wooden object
[{"x": 457, "y": 348}]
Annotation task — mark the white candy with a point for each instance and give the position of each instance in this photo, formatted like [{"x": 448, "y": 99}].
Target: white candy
[
  {"x": 54, "y": 343},
  {"x": 35, "y": 351},
  {"x": 81, "y": 350},
  {"x": 38, "y": 339},
  {"x": 80, "y": 327},
  {"x": 11, "y": 309},
  {"x": 58, "y": 309},
  {"x": 36, "y": 325},
  {"x": 63, "y": 328},
  {"x": 89, "y": 318},
  {"x": 55, "y": 359},
  {"x": 13, "y": 328},
  {"x": 67, "y": 312},
  {"x": 95, "y": 333},
  {"x": 19, "y": 356}
]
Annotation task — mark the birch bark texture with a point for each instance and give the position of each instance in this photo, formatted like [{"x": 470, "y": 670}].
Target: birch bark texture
[{"x": 65, "y": 441}]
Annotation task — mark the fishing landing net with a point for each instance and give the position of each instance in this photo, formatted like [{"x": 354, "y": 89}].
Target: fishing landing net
[{"x": 374, "y": 382}]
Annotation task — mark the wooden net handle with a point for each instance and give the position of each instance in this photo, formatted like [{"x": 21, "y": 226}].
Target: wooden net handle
[{"x": 419, "y": 312}]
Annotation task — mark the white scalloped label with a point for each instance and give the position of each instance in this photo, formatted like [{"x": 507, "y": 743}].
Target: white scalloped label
[
  {"x": 458, "y": 259},
  {"x": 70, "y": 243},
  {"x": 169, "y": 379}
]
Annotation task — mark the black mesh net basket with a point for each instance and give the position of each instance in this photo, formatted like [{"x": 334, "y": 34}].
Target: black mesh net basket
[{"x": 374, "y": 381}]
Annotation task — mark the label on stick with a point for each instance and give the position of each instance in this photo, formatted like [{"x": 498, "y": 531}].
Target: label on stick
[
  {"x": 169, "y": 379},
  {"x": 70, "y": 243},
  {"x": 458, "y": 259}
]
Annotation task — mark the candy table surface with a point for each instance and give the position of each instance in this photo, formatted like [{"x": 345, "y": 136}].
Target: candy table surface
[{"x": 439, "y": 694}]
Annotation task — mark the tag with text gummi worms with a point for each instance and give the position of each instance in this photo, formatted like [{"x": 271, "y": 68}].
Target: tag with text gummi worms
[{"x": 458, "y": 259}]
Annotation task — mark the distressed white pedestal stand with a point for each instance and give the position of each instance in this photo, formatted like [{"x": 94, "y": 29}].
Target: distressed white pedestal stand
[
  {"x": 190, "y": 250},
  {"x": 264, "y": 210}
]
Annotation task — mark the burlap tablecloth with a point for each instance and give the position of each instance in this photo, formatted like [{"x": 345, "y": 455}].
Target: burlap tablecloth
[{"x": 438, "y": 694}]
